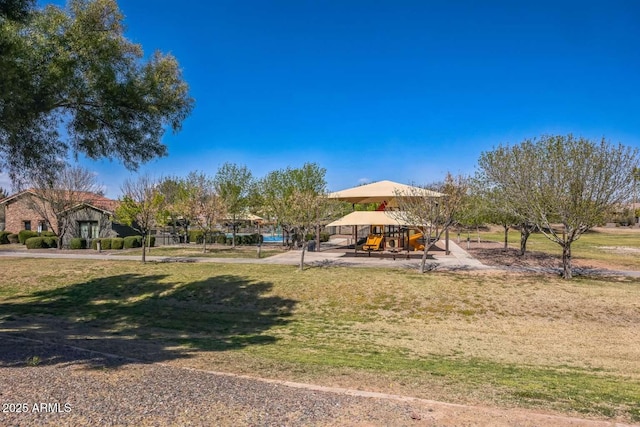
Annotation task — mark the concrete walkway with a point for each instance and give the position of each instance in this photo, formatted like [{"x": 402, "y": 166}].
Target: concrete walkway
[{"x": 330, "y": 255}]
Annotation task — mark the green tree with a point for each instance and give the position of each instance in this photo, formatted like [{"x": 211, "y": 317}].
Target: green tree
[
  {"x": 233, "y": 185},
  {"x": 141, "y": 207},
  {"x": 562, "y": 184},
  {"x": 74, "y": 67},
  {"x": 294, "y": 198}
]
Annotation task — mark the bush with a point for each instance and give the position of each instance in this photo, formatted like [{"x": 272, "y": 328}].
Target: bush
[
  {"x": 23, "y": 235},
  {"x": 47, "y": 234},
  {"x": 105, "y": 243},
  {"x": 4, "y": 237},
  {"x": 35, "y": 243},
  {"x": 221, "y": 239},
  {"x": 41, "y": 242},
  {"x": 132, "y": 242},
  {"x": 117, "y": 243},
  {"x": 78, "y": 243},
  {"x": 51, "y": 241},
  {"x": 13, "y": 238},
  {"x": 196, "y": 236}
]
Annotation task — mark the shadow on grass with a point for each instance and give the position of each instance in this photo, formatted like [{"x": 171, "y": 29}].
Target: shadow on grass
[{"x": 142, "y": 317}]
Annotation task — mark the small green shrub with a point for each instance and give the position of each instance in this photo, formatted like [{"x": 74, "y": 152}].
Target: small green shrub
[
  {"x": 4, "y": 237},
  {"x": 78, "y": 243},
  {"x": 13, "y": 238},
  {"x": 117, "y": 243},
  {"x": 221, "y": 239},
  {"x": 51, "y": 241},
  {"x": 35, "y": 243},
  {"x": 47, "y": 234},
  {"x": 132, "y": 242},
  {"x": 105, "y": 243},
  {"x": 23, "y": 235},
  {"x": 196, "y": 236}
]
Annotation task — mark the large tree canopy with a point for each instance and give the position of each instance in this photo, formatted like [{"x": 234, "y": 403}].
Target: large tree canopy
[
  {"x": 72, "y": 83},
  {"x": 562, "y": 184}
]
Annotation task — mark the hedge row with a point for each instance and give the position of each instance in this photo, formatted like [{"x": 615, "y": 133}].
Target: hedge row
[
  {"x": 41, "y": 242},
  {"x": 107, "y": 243},
  {"x": 197, "y": 236},
  {"x": 4, "y": 237}
]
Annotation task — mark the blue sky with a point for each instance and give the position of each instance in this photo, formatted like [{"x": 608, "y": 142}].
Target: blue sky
[{"x": 398, "y": 90}]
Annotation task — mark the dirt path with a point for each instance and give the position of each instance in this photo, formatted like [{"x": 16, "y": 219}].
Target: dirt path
[{"x": 70, "y": 386}]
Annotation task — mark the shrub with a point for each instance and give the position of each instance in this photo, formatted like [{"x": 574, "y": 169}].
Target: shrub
[
  {"x": 105, "y": 243},
  {"x": 13, "y": 238},
  {"x": 221, "y": 239},
  {"x": 196, "y": 236},
  {"x": 117, "y": 243},
  {"x": 4, "y": 237},
  {"x": 51, "y": 241},
  {"x": 78, "y": 243},
  {"x": 47, "y": 234},
  {"x": 23, "y": 235},
  {"x": 35, "y": 243},
  {"x": 132, "y": 242}
]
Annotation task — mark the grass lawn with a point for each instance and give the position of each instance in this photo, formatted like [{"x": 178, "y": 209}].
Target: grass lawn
[
  {"x": 481, "y": 338},
  {"x": 213, "y": 251},
  {"x": 618, "y": 248}
]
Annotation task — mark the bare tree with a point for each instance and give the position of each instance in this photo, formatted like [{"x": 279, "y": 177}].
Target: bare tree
[
  {"x": 434, "y": 209},
  {"x": 140, "y": 207},
  {"x": 562, "y": 184},
  {"x": 54, "y": 196},
  {"x": 201, "y": 204}
]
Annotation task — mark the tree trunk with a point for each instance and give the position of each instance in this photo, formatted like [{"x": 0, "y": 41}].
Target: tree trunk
[
  {"x": 506, "y": 238},
  {"x": 525, "y": 232},
  {"x": 317, "y": 238},
  {"x": 204, "y": 243},
  {"x": 259, "y": 242},
  {"x": 233, "y": 234},
  {"x": 566, "y": 260},
  {"x": 423, "y": 262},
  {"x": 144, "y": 247},
  {"x": 304, "y": 247},
  {"x": 478, "y": 232}
]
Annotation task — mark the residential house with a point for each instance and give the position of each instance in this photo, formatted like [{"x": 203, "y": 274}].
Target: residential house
[{"x": 91, "y": 218}]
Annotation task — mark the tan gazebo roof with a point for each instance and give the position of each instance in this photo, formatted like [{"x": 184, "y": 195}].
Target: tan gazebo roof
[
  {"x": 379, "y": 192},
  {"x": 371, "y": 218}
]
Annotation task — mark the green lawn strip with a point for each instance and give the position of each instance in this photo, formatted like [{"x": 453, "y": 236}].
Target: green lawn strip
[
  {"x": 593, "y": 245},
  {"x": 212, "y": 252}
]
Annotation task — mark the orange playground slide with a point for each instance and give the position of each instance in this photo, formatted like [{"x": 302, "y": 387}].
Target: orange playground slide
[{"x": 414, "y": 242}]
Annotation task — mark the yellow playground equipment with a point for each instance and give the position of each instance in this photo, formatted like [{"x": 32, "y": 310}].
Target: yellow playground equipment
[{"x": 373, "y": 243}]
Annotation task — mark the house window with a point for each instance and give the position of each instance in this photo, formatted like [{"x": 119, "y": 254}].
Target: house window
[
  {"x": 89, "y": 229},
  {"x": 26, "y": 225},
  {"x": 42, "y": 226}
]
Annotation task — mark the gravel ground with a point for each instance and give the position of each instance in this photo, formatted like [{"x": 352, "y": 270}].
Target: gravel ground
[{"x": 68, "y": 386}]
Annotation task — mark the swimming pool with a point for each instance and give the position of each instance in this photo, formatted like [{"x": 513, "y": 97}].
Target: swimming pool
[{"x": 272, "y": 238}]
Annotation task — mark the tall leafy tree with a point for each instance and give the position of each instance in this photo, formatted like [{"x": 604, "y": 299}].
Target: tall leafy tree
[
  {"x": 233, "y": 184},
  {"x": 141, "y": 207},
  {"x": 55, "y": 195},
  {"x": 74, "y": 68},
  {"x": 294, "y": 197},
  {"x": 562, "y": 184}
]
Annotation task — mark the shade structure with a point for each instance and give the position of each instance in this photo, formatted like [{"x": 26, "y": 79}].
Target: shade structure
[
  {"x": 381, "y": 191},
  {"x": 358, "y": 218}
]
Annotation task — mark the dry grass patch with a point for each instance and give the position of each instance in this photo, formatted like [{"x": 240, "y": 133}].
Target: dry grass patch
[{"x": 510, "y": 339}]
